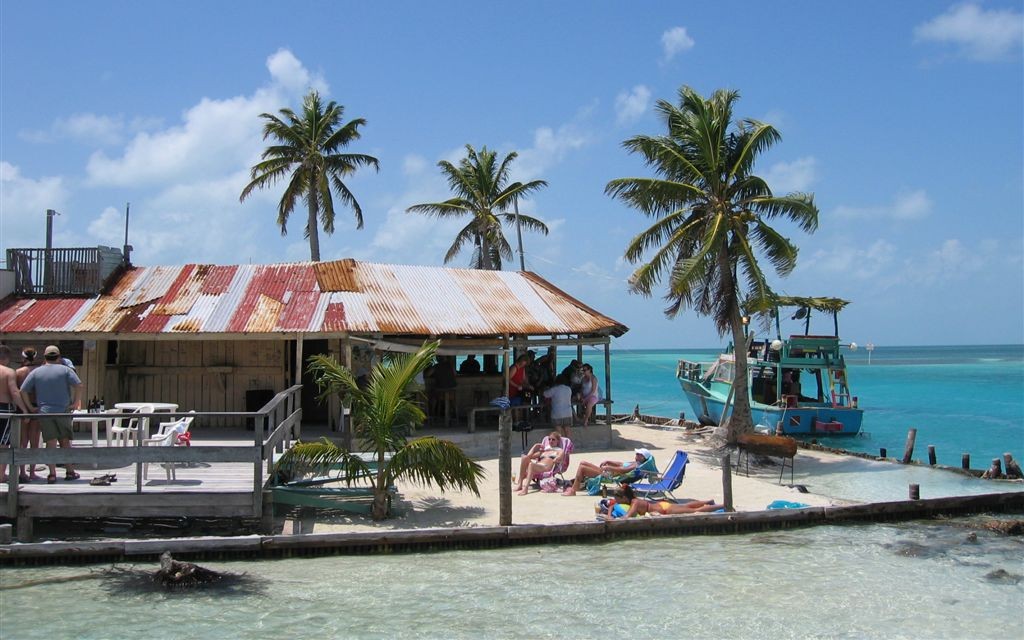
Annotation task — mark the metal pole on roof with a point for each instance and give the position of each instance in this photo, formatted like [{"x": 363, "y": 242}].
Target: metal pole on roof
[{"x": 519, "y": 237}]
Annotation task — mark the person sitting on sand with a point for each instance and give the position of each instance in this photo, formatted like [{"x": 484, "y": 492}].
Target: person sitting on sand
[
  {"x": 539, "y": 459},
  {"x": 643, "y": 461},
  {"x": 642, "y": 507}
]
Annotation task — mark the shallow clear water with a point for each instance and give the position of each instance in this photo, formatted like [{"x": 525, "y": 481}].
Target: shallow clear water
[{"x": 921, "y": 580}]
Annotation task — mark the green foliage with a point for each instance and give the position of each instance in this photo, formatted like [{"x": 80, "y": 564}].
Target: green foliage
[
  {"x": 482, "y": 192},
  {"x": 711, "y": 216},
  {"x": 383, "y": 416},
  {"x": 307, "y": 153}
]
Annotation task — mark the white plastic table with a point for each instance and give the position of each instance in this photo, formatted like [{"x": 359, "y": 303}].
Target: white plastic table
[{"x": 94, "y": 419}]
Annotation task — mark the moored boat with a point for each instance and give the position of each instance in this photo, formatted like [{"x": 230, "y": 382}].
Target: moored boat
[{"x": 798, "y": 385}]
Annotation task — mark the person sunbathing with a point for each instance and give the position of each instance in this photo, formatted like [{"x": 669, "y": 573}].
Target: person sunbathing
[
  {"x": 540, "y": 459},
  {"x": 642, "y": 507},
  {"x": 643, "y": 459}
]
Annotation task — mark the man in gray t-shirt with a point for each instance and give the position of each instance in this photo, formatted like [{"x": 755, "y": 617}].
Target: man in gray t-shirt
[{"x": 58, "y": 389}]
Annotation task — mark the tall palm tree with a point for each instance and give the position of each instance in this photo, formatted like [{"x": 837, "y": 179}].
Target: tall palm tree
[
  {"x": 711, "y": 216},
  {"x": 307, "y": 150},
  {"x": 482, "y": 191},
  {"x": 382, "y": 416}
]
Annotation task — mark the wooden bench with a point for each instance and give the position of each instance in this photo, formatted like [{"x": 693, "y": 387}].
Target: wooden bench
[{"x": 763, "y": 445}]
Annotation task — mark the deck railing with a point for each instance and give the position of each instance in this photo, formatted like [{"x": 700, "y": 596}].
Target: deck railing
[
  {"x": 65, "y": 271},
  {"x": 277, "y": 424}
]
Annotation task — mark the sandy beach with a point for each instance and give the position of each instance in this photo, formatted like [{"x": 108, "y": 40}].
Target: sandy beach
[{"x": 420, "y": 507}]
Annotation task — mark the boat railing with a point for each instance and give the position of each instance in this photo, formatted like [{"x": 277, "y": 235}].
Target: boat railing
[{"x": 689, "y": 370}]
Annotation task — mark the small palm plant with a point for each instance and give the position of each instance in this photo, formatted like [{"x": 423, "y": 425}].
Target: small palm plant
[{"x": 383, "y": 416}]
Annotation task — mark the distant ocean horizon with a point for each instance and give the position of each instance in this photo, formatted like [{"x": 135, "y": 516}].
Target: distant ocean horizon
[{"x": 960, "y": 398}]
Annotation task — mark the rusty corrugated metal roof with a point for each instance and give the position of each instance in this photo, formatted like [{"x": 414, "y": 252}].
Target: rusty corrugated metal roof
[{"x": 327, "y": 297}]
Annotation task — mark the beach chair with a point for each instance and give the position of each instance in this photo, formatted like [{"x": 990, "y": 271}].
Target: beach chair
[
  {"x": 171, "y": 434},
  {"x": 125, "y": 434},
  {"x": 666, "y": 483},
  {"x": 561, "y": 467}
]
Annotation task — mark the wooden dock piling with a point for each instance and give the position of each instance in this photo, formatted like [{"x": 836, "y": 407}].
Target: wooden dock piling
[
  {"x": 915, "y": 492},
  {"x": 931, "y": 454},
  {"x": 727, "y": 482},
  {"x": 965, "y": 461},
  {"x": 908, "y": 451}
]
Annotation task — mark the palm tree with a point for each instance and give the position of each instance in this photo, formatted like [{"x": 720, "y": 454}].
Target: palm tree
[
  {"x": 482, "y": 191},
  {"x": 382, "y": 416},
  {"x": 711, "y": 217},
  {"x": 307, "y": 147}
]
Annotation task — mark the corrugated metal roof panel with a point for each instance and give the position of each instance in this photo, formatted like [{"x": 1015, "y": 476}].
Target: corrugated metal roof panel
[
  {"x": 342, "y": 296},
  {"x": 339, "y": 275}
]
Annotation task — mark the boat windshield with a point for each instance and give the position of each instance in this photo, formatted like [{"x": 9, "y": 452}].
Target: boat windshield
[{"x": 723, "y": 371}]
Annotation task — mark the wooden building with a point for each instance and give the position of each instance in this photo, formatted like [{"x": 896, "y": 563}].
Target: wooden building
[{"x": 227, "y": 338}]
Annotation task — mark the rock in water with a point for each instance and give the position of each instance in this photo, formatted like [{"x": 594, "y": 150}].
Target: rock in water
[{"x": 183, "y": 575}]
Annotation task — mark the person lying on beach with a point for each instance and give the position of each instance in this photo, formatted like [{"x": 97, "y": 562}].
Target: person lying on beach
[
  {"x": 643, "y": 460},
  {"x": 541, "y": 458},
  {"x": 642, "y": 507}
]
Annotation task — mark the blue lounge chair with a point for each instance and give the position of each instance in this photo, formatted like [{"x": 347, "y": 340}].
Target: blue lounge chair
[{"x": 666, "y": 483}]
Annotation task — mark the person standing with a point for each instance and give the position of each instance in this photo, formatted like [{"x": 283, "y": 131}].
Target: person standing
[
  {"x": 560, "y": 396},
  {"x": 29, "y": 428},
  {"x": 58, "y": 389},
  {"x": 10, "y": 399}
]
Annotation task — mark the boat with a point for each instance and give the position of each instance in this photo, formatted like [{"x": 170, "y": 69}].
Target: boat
[{"x": 798, "y": 385}]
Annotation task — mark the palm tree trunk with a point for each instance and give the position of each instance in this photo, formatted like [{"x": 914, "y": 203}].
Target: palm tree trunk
[
  {"x": 379, "y": 511},
  {"x": 741, "y": 420},
  {"x": 311, "y": 229}
]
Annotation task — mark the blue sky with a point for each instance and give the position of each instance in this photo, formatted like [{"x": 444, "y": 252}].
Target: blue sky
[{"x": 906, "y": 120}]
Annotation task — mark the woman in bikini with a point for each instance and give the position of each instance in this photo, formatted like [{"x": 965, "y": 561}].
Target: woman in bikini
[
  {"x": 539, "y": 460},
  {"x": 641, "y": 507}
]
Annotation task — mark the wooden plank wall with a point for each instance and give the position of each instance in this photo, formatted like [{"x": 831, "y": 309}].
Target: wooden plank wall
[{"x": 200, "y": 375}]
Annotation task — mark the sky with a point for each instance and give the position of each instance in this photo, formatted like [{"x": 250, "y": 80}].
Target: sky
[{"x": 905, "y": 120}]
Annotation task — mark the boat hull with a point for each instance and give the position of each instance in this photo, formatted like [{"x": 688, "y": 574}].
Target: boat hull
[{"x": 806, "y": 419}]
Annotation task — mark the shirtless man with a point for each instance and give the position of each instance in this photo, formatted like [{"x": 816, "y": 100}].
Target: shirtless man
[
  {"x": 10, "y": 400},
  {"x": 29, "y": 428},
  {"x": 58, "y": 389}
]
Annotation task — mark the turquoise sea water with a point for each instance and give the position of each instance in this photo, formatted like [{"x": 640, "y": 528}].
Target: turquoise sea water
[
  {"x": 922, "y": 580},
  {"x": 966, "y": 399}
]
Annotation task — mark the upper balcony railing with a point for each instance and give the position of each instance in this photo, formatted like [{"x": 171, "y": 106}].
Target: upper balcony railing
[{"x": 67, "y": 271}]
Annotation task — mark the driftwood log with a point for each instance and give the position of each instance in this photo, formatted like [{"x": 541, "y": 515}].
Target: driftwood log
[{"x": 183, "y": 575}]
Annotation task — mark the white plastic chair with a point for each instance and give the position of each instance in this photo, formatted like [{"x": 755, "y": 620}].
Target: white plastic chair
[
  {"x": 167, "y": 436},
  {"x": 124, "y": 434}
]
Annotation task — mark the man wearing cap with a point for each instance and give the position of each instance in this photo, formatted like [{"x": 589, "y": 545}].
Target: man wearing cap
[
  {"x": 58, "y": 389},
  {"x": 625, "y": 472}
]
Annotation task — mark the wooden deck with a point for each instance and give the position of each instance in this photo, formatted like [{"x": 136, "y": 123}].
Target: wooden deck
[{"x": 222, "y": 474}]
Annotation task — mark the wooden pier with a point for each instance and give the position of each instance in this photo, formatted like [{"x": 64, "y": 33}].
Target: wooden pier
[{"x": 221, "y": 474}]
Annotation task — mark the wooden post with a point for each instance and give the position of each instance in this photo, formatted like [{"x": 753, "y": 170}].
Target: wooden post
[
  {"x": 915, "y": 492},
  {"x": 727, "y": 482},
  {"x": 6, "y": 533},
  {"x": 965, "y": 461},
  {"x": 995, "y": 471},
  {"x": 505, "y": 454},
  {"x": 1012, "y": 468},
  {"x": 882, "y": 452},
  {"x": 908, "y": 452},
  {"x": 931, "y": 455}
]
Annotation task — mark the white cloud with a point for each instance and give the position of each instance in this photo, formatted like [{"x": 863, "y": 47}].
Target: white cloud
[
  {"x": 91, "y": 128},
  {"x": 674, "y": 41},
  {"x": 289, "y": 72},
  {"x": 215, "y": 137},
  {"x": 906, "y": 206},
  {"x": 413, "y": 164},
  {"x": 787, "y": 177},
  {"x": 630, "y": 105},
  {"x": 550, "y": 146},
  {"x": 23, "y": 205},
  {"x": 873, "y": 262},
  {"x": 978, "y": 34}
]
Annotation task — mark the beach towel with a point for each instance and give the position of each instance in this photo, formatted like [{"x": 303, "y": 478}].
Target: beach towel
[{"x": 785, "y": 504}]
